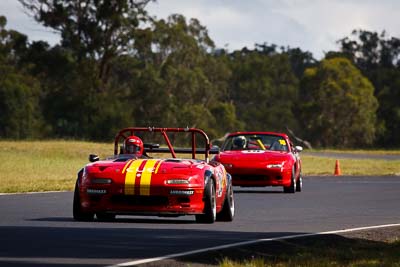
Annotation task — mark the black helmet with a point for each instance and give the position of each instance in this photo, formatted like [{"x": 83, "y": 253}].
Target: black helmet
[{"x": 239, "y": 142}]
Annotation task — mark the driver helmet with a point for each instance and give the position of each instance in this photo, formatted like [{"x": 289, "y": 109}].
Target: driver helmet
[
  {"x": 133, "y": 145},
  {"x": 239, "y": 142}
]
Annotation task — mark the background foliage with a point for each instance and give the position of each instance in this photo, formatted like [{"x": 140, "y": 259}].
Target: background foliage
[{"x": 117, "y": 66}]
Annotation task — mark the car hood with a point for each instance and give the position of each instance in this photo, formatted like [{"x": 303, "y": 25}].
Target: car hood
[
  {"x": 144, "y": 176},
  {"x": 161, "y": 166}
]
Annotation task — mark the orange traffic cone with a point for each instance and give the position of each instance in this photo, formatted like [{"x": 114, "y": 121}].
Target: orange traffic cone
[{"x": 337, "y": 168}]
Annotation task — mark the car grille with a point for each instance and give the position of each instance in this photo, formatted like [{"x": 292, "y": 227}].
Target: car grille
[{"x": 140, "y": 200}]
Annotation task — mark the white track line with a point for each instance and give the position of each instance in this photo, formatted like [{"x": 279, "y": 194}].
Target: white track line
[
  {"x": 31, "y": 193},
  {"x": 133, "y": 263}
]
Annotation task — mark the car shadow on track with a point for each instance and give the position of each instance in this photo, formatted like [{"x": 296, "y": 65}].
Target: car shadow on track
[
  {"x": 122, "y": 220},
  {"x": 256, "y": 191}
]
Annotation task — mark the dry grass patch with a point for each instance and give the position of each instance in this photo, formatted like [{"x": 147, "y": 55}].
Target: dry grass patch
[{"x": 313, "y": 165}]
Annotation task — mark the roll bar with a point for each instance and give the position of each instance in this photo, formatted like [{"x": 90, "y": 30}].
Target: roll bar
[{"x": 124, "y": 133}]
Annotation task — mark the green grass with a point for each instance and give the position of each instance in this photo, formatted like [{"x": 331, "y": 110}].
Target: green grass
[{"x": 30, "y": 166}]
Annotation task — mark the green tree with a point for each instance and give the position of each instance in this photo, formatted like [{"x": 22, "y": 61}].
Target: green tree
[
  {"x": 338, "y": 105},
  {"x": 299, "y": 60},
  {"x": 378, "y": 57},
  {"x": 263, "y": 89},
  {"x": 77, "y": 98},
  {"x": 93, "y": 29},
  {"x": 19, "y": 92},
  {"x": 20, "y": 115},
  {"x": 140, "y": 87},
  {"x": 174, "y": 79}
]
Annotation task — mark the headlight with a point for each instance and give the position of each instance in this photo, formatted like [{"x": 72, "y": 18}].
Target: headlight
[
  {"x": 275, "y": 165},
  {"x": 177, "y": 181}
]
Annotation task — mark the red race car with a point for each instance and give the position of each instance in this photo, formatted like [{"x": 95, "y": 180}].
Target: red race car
[
  {"x": 262, "y": 159},
  {"x": 137, "y": 181}
]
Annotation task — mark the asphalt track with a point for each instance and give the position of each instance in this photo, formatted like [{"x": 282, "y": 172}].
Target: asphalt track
[{"x": 38, "y": 230}]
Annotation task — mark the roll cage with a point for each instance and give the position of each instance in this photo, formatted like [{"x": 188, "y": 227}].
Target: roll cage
[{"x": 155, "y": 148}]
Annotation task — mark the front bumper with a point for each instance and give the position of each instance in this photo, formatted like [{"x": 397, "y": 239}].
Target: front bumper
[
  {"x": 247, "y": 176},
  {"x": 165, "y": 201}
]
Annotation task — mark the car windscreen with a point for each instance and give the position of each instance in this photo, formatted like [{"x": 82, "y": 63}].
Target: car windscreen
[{"x": 255, "y": 142}]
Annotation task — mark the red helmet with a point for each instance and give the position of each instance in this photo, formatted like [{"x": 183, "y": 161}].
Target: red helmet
[{"x": 133, "y": 145}]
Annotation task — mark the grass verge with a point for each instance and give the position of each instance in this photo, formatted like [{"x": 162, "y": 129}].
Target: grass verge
[
  {"x": 331, "y": 250},
  {"x": 314, "y": 165},
  {"x": 35, "y": 166}
]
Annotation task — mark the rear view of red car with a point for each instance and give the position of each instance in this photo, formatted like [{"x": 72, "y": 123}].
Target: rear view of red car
[{"x": 257, "y": 159}]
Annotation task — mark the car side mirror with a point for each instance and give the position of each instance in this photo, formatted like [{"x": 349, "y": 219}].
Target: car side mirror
[
  {"x": 299, "y": 148},
  {"x": 93, "y": 158}
]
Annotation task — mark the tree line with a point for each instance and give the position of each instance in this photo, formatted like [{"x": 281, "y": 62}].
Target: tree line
[{"x": 118, "y": 66}]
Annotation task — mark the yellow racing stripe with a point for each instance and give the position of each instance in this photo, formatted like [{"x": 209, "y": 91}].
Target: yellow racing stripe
[
  {"x": 126, "y": 165},
  {"x": 158, "y": 166},
  {"x": 145, "y": 181},
  {"x": 131, "y": 177}
]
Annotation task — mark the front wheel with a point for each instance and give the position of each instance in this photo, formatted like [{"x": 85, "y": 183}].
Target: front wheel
[
  {"x": 210, "y": 205},
  {"x": 228, "y": 210},
  {"x": 299, "y": 183},
  {"x": 292, "y": 187},
  {"x": 78, "y": 213}
]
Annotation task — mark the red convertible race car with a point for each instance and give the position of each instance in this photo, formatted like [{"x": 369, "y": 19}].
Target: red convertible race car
[
  {"x": 137, "y": 181},
  {"x": 262, "y": 159}
]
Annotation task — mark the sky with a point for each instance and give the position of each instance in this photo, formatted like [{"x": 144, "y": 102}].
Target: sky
[{"x": 311, "y": 25}]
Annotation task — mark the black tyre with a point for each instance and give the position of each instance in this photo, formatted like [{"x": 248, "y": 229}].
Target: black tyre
[
  {"x": 78, "y": 214},
  {"x": 228, "y": 210},
  {"x": 292, "y": 187},
  {"x": 299, "y": 183},
  {"x": 210, "y": 206}
]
